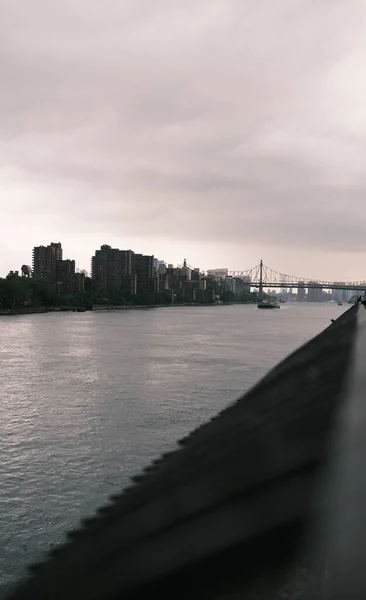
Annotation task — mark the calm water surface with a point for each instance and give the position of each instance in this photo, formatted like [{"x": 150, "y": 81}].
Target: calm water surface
[{"x": 88, "y": 399}]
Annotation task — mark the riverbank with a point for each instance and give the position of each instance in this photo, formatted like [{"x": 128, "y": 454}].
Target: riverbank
[
  {"x": 142, "y": 306},
  {"x": 23, "y": 311},
  {"x": 43, "y": 310}
]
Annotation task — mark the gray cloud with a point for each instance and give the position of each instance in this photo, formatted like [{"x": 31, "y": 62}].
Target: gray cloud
[{"x": 223, "y": 129}]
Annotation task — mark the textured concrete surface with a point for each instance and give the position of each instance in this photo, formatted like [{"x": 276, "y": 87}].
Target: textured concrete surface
[{"x": 231, "y": 513}]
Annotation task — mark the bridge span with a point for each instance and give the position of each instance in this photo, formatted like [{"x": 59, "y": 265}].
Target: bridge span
[
  {"x": 262, "y": 276},
  {"x": 310, "y": 284}
]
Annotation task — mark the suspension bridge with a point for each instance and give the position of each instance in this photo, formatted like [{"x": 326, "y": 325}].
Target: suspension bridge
[{"x": 262, "y": 276}]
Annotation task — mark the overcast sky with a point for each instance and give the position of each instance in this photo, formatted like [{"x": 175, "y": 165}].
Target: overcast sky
[{"x": 223, "y": 131}]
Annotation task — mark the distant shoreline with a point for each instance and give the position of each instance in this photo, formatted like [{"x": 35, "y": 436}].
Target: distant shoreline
[{"x": 99, "y": 308}]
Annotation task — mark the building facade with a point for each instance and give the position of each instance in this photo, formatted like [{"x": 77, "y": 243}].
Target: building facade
[
  {"x": 301, "y": 291},
  {"x": 65, "y": 276},
  {"x": 315, "y": 292},
  {"x": 241, "y": 285},
  {"x": 45, "y": 259},
  {"x": 143, "y": 267},
  {"x": 218, "y": 273},
  {"x": 112, "y": 269},
  {"x": 123, "y": 270}
]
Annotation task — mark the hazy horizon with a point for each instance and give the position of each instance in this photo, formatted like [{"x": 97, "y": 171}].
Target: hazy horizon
[{"x": 220, "y": 131}]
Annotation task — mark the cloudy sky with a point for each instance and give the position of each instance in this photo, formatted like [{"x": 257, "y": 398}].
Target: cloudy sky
[{"x": 223, "y": 131}]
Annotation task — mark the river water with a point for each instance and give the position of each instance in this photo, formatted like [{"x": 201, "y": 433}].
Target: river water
[{"x": 87, "y": 399}]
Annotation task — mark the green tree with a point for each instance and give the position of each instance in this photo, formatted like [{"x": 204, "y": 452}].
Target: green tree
[
  {"x": 14, "y": 293},
  {"x": 228, "y": 296}
]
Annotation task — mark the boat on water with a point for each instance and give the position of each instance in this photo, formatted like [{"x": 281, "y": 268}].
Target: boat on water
[{"x": 268, "y": 304}]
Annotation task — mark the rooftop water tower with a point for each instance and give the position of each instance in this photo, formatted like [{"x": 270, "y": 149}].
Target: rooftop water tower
[{"x": 26, "y": 271}]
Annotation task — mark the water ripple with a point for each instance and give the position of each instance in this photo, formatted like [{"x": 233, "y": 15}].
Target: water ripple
[{"x": 88, "y": 399}]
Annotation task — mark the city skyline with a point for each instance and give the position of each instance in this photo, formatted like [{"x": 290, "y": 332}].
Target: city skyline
[
  {"x": 49, "y": 262},
  {"x": 87, "y": 270},
  {"x": 122, "y": 276},
  {"x": 222, "y": 131}
]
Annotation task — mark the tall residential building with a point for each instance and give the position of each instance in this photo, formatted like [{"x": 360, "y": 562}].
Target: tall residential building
[
  {"x": 143, "y": 268},
  {"x": 65, "y": 276},
  {"x": 128, "y": 273},
  {"x": 79, "y": 282},
  {"x": 45, "y": 260},
  {"x": 113, "y": 269}
]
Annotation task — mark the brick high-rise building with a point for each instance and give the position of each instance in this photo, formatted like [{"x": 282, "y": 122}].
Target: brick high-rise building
[
  {"x": 45, "y": 260},
  {"x": 79, "y": 282},
  {"x": 113, "y": 269},
  {"x": 65, "y": 270},
  {"x": 143, "y": 266},
  {"x": 128, "y": 273}
]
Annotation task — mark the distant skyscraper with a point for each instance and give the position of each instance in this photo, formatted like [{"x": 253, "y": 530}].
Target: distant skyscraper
[
  {"x": 218, "y": 273},
  {"x": 185, "y": 271},
  {"x": 144, "y": 265},
  {"x": 45, "y": 260},
  {"x": 301, "y": 292},
  {"x": 339, "y": 294},
  {"x": 157, "y": 263},
  {"x": 315, "y": 292}
]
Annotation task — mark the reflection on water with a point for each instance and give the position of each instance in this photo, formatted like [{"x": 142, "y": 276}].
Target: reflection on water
[{"x": 87, "y": 399}]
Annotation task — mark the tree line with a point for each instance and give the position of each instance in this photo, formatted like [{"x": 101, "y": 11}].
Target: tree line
[{"x": 21, "y": 292}]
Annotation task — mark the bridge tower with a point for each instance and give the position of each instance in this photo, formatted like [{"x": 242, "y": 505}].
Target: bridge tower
[{"x": 260, "y": 297}]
